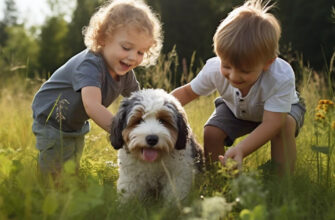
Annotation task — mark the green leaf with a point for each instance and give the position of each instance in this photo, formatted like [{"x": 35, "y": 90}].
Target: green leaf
[
  {"x": 70, "y": 167},
  {"x": 5, "y": 167},
  {"x": 245, "y": 214},
  {"x": 258, "y": 213},
  {"x": 50, "y": 204},
  {"x": 320, "y": 149}
]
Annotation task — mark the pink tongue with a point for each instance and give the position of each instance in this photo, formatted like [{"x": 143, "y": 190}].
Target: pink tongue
[{"x": 149, "y": 154}]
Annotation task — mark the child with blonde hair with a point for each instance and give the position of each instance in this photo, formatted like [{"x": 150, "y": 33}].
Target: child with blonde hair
[
  {"x": 256, "y": 87},
  {"x": 121, "y": 35}
]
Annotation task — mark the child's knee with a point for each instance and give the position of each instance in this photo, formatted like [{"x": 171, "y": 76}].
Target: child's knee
[
  {"x": 290, "y": 126},
  {"x": 212, "y": 133},
  {"x": 288, "y": 129}
]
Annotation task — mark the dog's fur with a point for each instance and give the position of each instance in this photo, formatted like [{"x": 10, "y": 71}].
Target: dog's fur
[{"x": 157, "y": 155}]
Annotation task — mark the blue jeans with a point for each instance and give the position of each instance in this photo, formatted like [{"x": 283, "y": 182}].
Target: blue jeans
[{"x": 56, "y": 147}]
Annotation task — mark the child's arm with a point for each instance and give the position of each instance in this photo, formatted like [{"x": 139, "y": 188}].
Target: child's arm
[
  {"x": 184, "y": 94},
  {"x": 91, "y": 97},
  {"x": 271, "y": 125}
]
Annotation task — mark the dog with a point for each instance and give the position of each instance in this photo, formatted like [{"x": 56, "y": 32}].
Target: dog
[{"x": 157, "y": 153}]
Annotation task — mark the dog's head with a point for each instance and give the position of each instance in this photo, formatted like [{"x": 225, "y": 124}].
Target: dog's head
[{"x": 149, "y": 124}]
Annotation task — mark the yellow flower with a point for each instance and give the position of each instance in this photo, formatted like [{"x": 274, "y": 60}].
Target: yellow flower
[
  {"x": 330, "y": 102},
  {"x": 319, "y": 116},
  {"x": 325, "y": 108},
  {"x": 319, "y": 107},
  {"x": 326, "y": 102},
  {"x": 322, "y": 101}
]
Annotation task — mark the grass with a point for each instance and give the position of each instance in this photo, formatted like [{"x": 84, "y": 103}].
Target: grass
[{"x": 217, "y": 194}]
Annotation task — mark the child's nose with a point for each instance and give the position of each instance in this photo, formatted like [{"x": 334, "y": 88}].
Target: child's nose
[{"x": 233, "y": 75}]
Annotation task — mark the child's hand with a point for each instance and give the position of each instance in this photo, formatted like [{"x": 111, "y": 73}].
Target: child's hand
[{"x": 235, "y": 154}]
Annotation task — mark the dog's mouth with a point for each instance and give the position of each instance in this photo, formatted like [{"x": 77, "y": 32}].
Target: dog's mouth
[{"x": 149, "y": 154}]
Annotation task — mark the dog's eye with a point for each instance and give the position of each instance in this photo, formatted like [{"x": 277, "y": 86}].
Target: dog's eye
[
  {"x": 135, "y": 121},
  {"x": 162, "y": 121}
]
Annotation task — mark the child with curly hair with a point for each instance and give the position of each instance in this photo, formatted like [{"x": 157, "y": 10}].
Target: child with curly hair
[{"x": 121, "y": 35}]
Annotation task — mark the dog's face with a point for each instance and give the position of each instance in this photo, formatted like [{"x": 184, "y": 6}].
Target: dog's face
[{"x": 149, "y": 124}]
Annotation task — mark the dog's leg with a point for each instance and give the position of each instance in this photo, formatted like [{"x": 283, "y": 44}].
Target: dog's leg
[
  {"x": 129, "y": 186},
  {"x": 177, "y": 184}
]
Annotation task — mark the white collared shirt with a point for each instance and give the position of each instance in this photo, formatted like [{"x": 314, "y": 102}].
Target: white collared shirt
[{"x": 273, "y": 91}]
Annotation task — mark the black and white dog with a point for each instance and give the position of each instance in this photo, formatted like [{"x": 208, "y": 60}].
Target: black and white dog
[{"x": 157, "y": 155}]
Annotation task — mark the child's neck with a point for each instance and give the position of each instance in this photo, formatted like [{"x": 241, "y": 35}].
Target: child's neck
[
  {"x": 113, "y": 75},
  {"x": 245, "y": 91}
]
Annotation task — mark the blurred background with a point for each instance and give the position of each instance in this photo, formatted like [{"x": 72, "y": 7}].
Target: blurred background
[{"x": 38, "y": 36}]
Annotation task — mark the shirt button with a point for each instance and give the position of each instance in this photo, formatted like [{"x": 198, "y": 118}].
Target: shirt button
[
  {"x": 241, "y": 100},
  {"x": 237, "y": 93},
  {"x": 243, "y": 111}
]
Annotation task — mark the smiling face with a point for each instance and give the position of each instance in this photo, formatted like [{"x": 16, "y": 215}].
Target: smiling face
[
  {"x": 150, "y": 125},
  {"x": 241, "y": 78},
  {"x": 125, "y": 50}
]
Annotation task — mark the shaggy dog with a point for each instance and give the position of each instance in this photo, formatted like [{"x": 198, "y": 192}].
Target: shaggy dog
[{"x": 157, "y": 155}]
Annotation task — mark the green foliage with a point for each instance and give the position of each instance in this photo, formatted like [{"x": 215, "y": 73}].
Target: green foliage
[
  {"x": 80, "y": 18},
  {"x": 299, "y": 19},
  {"x": 10, "y": 13},
  {"x": 20, "y": 51},
  {"x": 53, "y": 51},
  {"x": 215, "y": 207},
  {"x": 90, "y": 193},
  {"x": 257, "y": 213},
  {"x": 188, "y": 26},
  {"x": 248, "y": 190}
]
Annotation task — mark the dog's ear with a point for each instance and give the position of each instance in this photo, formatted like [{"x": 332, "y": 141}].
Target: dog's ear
[
  {"x": 118, "y": 124},
  {"x": 182, "y": 132}
]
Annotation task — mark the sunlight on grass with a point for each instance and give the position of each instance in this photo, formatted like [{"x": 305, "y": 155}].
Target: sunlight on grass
[{"x": 91, "y": 193}]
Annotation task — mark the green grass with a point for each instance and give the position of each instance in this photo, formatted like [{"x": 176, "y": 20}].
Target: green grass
[{"x": 91, "y": 194}]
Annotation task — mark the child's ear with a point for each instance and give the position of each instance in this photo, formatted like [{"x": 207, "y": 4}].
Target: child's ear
[{"x": 268, "y": 64}]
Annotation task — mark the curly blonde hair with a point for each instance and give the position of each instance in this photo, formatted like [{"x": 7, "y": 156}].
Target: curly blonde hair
[
  {"x": 249, "y": 35},
  {"x": 121, "y": 13}
]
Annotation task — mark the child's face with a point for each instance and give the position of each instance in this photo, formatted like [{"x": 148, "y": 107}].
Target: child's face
[
  {"x": 242, "y": 79},
  {"x": 125, "y": 50}
]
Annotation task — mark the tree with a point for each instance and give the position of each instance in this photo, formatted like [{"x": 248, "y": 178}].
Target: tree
[
  {"x": 20, "y": 51},
  {"x": 52, "y": 47},
  {"x": 3, "y": 34},
  {"x": 80, "y": 18},
  {"x": 10, "y": 19},
  {"x": 307, "y": 27},
  {"x": 191, "y": 24},
  {"x": 10, "y": 13}
]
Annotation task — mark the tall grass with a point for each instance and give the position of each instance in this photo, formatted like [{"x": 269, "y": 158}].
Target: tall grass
[{"x": 91, "y": 194}]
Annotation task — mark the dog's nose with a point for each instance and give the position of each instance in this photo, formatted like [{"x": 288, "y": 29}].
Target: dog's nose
[{"x": 152, "y": 139}]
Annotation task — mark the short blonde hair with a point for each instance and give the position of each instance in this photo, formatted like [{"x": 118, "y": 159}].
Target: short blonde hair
[
  {"x": 121, "y": 13},
  {"x": 249, "y": 35}
]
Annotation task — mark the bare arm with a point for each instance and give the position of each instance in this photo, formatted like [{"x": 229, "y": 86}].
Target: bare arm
[
  {"x": 91, "y": 97},
  {"x": 184, "y": 94},
  {"x": 271, "y": 125}
]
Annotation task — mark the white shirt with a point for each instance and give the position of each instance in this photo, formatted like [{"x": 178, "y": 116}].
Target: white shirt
[{"x": 273, "y": 91}]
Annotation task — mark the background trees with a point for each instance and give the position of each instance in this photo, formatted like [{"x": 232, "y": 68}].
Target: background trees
[{"x": 308, "y": 29}]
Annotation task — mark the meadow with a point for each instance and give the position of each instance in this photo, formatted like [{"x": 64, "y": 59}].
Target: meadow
[{"x": 219, "y": 193}]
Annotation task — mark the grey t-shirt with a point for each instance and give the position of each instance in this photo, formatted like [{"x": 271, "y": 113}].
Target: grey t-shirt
[{"x": 84, "y": 69}]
